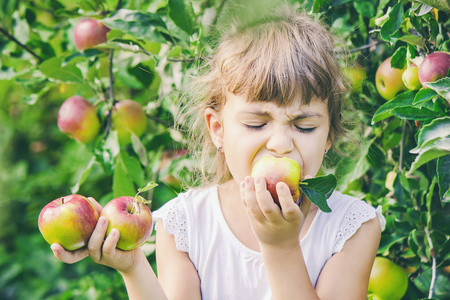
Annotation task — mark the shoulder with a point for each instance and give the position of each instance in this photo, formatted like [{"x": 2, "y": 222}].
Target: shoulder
[{"x": 353, "y": 215}]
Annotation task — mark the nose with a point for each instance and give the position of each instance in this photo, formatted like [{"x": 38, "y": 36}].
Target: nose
[{"x": 280, "y": 141}]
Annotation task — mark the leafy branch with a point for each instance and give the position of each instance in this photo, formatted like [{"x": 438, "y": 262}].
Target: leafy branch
[{"x": 25, "y": 47}]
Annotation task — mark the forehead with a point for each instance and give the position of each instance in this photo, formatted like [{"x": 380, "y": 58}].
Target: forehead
[{"x": 240, "y": 104}]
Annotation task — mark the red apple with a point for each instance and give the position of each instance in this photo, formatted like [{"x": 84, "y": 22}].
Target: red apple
[
  {"x": 435, "y": 66},
  {"x": 132, "y": 218},
  {"x": 274, "y": 170},
  {"x": 128, "y": 116},
  {"x": 68, "y": 221},
  {"x": 78, "y": 118},
  {"x": 89, "y": 32},
  {"x": 388, "y": 80}
]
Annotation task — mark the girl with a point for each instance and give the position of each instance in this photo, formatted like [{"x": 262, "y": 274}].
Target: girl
[{"x": 273, "y": 88}]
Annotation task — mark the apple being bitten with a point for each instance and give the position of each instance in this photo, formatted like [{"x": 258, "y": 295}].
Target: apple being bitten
[
  {"x": 68, "y": 221},
  {"x": 132, "y": 218},
  {"x": 275, "y": 170},
  {"x": 78, "y": 118}
]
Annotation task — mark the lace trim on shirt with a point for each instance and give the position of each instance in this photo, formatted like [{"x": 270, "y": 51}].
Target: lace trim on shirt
[
  {"x": 356, "y": 215},
  {"x": 173, "y": 217}
]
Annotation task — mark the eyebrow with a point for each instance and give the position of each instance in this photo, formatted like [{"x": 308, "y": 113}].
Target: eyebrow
[{"x": 300, "y": 116}]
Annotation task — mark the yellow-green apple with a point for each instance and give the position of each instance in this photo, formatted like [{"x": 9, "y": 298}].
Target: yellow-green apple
[
  {"x": 388, "y": 80},
  {"x": 89, "y": 32},
  {"x": 68, "y": 221},
  {"x": 387, "y": 280},
  {"x": 78, "y": 118},
  {"x": 410, "y": 78},
  {"x": 435, "y": 66},
  {"x": 275, "y": 170},
  {"x": 128, "y": 116},
  {"x": 132, "y": 218},
  {"x": 355, "y": 76}
]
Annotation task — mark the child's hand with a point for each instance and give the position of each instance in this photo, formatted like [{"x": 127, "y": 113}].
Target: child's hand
[
  {"x": 102, "y": 251},
  {"x": 272, "y": 226}
]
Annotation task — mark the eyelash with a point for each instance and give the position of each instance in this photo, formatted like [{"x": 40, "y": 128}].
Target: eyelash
[{"x": 302, "y": 130}]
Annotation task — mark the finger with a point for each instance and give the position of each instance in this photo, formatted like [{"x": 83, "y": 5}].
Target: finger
[
  {"x": 250, "y": 200},
  {"x": 289, "y": 209},
  {"x": 269, "y": 209},
  {"x": 68, "y": 257},
  {"x": 109, "y": 246},
  {"x": 96, "y": 240},
  {"x": 97, "y": 205}
]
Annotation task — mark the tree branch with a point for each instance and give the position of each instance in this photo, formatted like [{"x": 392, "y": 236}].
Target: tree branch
[
  {"x": 433, "y": 264},
  {"x": 12, "y": 38},
  {"x": 111, "y": 95}
]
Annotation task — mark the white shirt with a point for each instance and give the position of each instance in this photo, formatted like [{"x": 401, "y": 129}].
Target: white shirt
[{"x": 229, "y": 270}]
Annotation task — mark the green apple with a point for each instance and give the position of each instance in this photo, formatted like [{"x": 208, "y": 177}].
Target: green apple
[
  {"x": 388, "y": 80},
  {"x": 78, "y": 119},
  {"x": 128, "y": 116},
  {"x": 132, "y": 218},
  {"x": 68, "y": 221},
  {"x": 275, "y": 170},
  {"x": 388, "y": 281},
  {"x": 435, "y": 66},
  {"x": 410, "y": 78},
  {"x": 355, "y": 76}
]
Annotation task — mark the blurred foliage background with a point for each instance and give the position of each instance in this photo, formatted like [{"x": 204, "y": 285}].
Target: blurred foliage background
[{"x": 156, "y": 47}]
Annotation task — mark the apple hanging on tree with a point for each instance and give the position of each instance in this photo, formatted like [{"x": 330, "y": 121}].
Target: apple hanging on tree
[
  {"x": 68, "y": 221},
  {"x": 89, "y": 32},
  {"x": 435, "y": 66},
  {"x": 78, "y": 118},
  {"x": 387, "y": 280},
  {"x": 389, "y": 80},
  {"x": 128, "y": 116}
]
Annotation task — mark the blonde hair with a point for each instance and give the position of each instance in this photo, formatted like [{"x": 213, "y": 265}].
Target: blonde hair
[{"x": 282, "y": 57}]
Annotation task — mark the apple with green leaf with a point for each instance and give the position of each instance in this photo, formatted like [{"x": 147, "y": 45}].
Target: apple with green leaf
[
  {"x": 274, "y": 170},
  {"x": 68, "y": 221},
  {"x": 89, "y": 32},
  {"x": 132, "y": 217},
  {"x": 78, "y": 118}
]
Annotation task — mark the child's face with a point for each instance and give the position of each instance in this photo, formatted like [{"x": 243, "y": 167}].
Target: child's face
[{"x": 249, "y": 131}]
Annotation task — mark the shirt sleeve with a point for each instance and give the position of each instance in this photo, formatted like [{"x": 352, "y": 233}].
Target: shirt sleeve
[
  {"x": 358, "y": 213},
  {"x": 173, "y": 216}
]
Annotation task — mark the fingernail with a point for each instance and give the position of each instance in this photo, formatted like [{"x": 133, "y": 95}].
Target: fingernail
[
  {"x": 247, "y": 180},
  {"x": 257, "y": 180}
]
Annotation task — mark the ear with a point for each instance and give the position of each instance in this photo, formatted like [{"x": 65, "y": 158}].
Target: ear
[{"x": 214, "y": 123}]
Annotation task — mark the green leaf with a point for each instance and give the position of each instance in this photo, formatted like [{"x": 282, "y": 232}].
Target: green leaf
[
  {"x": 385, "y": 110},
  {"x": 424, "y": 95},
  {"x": 441, "y": 86},
  {"x": 122, "y": 183},
  {"x": 318, "y": 5},
  {"x": 141, "y": 25},
  {"x": 133, "y": 168},
  {"x": 83, "y": 176},
  {"x": 435, "y": 150},
  {"x": 139, "y": 149},
  {"x": 53, "y": 68},
  {"x": 443, "y": 5},
  {"x": 181, "y": 15},
  {"x": 396, "y": 17},
  {"x": 148, "y": 187},
  {"x": 436, "y": 129},
  {"x": 443, "y": 174},
  {"x": 319, "y": 189},
  {"x": 413, "y": 40},
  {"x": 414, "y": 113}
]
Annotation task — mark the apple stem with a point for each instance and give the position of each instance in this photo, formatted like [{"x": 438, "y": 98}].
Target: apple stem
[{"x": 62, "y": 200}]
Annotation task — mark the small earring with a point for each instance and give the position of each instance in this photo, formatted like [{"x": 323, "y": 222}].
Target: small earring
[
  {"x": 325, "y": 155},
  {"x": 220, "y": 148}
]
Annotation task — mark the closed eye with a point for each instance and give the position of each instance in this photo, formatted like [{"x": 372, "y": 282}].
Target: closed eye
[
  {"x": 306, "y": 130},
  {"x": 254, "y": 127}
]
